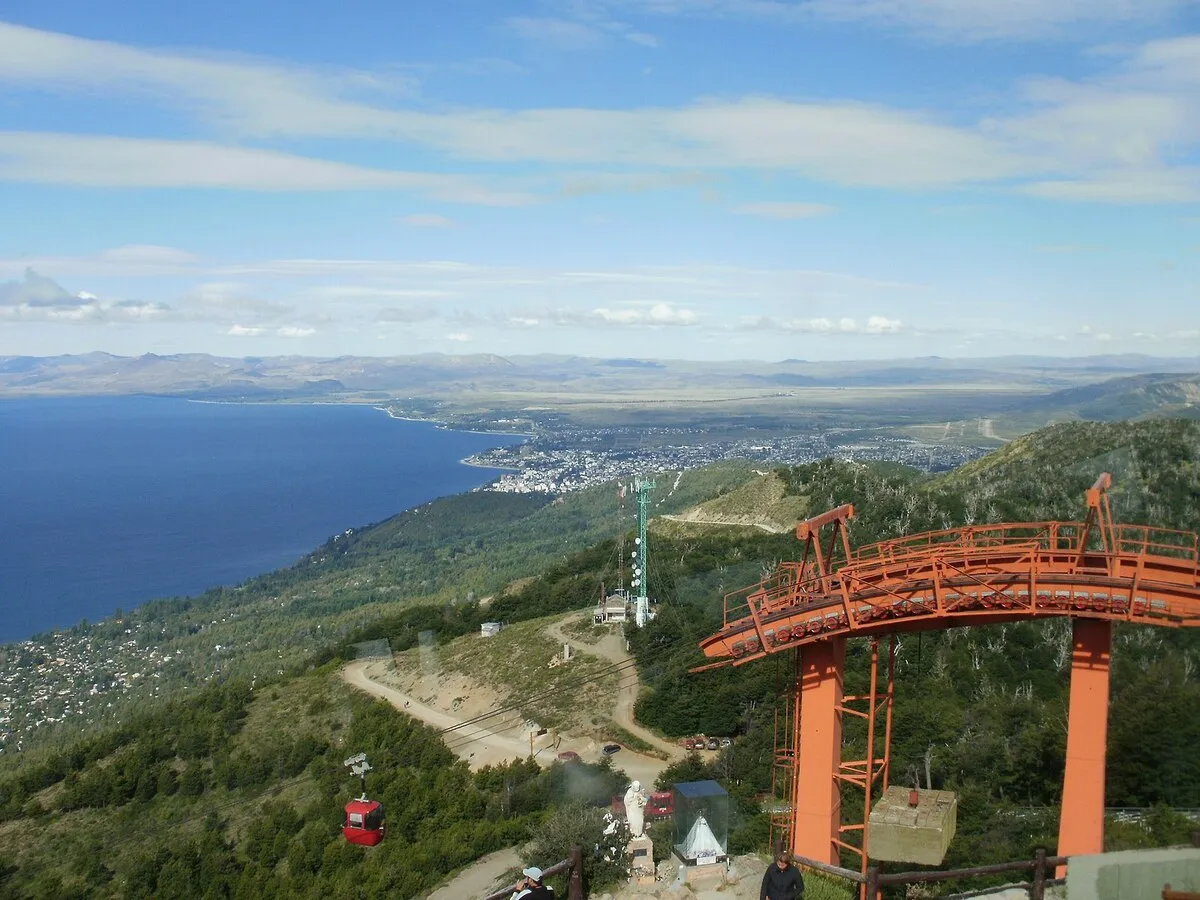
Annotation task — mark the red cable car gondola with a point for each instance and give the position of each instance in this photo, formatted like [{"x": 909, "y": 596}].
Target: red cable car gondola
[{"x": 364, "y": 822}]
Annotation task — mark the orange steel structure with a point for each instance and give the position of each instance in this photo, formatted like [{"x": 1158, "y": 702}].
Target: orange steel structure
[{"x": 1095, "y": 571}]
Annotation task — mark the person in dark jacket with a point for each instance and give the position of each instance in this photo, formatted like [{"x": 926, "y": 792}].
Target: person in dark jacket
[
  {"x": 531, "y": 888},
  {"x": 782, "y": 880}
]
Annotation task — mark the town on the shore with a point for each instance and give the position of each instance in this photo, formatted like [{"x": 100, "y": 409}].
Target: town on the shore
[{"x": 564, "y": 462}]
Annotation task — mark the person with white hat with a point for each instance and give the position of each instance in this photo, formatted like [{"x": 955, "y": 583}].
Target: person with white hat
[{"x": 531, "y": 888}]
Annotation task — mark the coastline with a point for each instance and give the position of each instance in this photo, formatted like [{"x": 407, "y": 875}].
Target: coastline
[
  {"x": 477, "y": 465},
  {"x": 446, "y": 427},
  {"x": 72, "y": 615}
]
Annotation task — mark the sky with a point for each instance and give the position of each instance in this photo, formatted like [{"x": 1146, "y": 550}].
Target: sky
[{"x": 688, "y": 179}]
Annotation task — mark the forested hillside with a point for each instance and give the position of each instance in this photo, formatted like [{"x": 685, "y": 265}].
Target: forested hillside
[
  {"x": 239, "y": 793},
  {"x": 239, "y": 788},
  {"x": 451, "y": 550},
  {"x": 979, "y": 711}
]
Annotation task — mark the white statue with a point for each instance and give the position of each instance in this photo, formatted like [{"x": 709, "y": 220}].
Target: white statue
[{"x": 635, "y": 805}]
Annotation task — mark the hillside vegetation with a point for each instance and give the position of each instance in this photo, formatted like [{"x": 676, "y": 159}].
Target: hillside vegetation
[
  {"x": 452, "y": 550},
  {"x": 236, "y": 792},
  {"x": 1132, "y": 397}
]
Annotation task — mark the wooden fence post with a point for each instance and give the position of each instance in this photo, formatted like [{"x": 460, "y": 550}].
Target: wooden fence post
[
  {"x": 871, "y": 888},
  {"x": 1038, "y": 891},
  {"x": 575, "y": 880}
]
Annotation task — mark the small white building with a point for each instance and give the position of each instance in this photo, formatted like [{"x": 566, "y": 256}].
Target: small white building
[
  {"x": 612, "y": 608},
  {"x": 490, "y": 629}
]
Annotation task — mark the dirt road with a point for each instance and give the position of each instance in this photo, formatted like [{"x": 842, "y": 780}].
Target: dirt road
[
  {"x": 479, "y": 879},
  {"x": 474, "y": 743},
  {"x": 691, "y": 519},
  {"x": 612, "y": 648},
  {"x": 480, "y": 746}
]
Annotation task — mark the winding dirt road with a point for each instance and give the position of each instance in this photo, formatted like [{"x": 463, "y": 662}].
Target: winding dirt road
[
  {"x": 612, "y": 648},
  {"x": 474, "y": 743}
]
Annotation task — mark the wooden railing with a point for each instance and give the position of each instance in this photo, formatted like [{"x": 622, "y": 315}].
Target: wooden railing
[
  {"x": 873, "y": 880},
  {"x": 572, "y": 866}
]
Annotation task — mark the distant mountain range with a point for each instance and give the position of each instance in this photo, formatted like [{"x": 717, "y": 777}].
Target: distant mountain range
[{"x": 365, "y": 378}]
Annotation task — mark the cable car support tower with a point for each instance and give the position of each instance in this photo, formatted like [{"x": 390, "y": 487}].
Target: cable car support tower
[{"x": 1094, "y": 572}]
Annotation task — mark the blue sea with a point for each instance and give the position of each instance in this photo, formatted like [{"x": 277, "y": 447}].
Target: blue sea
[{"x": 109, "y": 502}]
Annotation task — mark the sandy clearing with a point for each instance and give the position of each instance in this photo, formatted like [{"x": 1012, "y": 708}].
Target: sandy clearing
[
  {"x": 481, "y": 745},
  {"x": 474, "y": 743}
]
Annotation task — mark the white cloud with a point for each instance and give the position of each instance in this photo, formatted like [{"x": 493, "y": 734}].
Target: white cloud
[
  {"x": 129, "y": 261},
  {"x": 1140, "y": 187},
  {"x": 40, "y": 299},
  {"x": 845, "y": 325},
  {"x": 1124, "y": 135},
  {"x": 296, "y": 331},
  {"x": 582, "y": 184},
  {"x": 579, "y": 25},
  {"x": 136, "y": 311},
  {"x": 229, "y": 92},
  {"x": 458, "y": 336},
  {"x": 97, "y": 161},
  {"x": 654, "y": 314},
  {"x": 428, "y": 220},
  {"x": 340, "y": 292},
  {"x": 783, "y": 210},
  {"x": 407, "y": 314},
  {"x": 845, "y": 142},
  {"x": 244, "y": 331}
]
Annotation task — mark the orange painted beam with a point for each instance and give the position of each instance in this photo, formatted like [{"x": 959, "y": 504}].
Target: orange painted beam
[
  {"x": 1081, "y": 827},
  {"x": 817, "y": 801}
]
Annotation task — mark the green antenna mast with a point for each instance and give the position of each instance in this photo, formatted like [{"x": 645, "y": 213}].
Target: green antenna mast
[{"x": 643, "y": 488}]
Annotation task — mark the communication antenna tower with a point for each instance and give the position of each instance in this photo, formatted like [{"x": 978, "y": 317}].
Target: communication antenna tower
[{"x": 642, "y": 487}]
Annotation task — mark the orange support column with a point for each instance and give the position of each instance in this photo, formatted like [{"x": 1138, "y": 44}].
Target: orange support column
[
  {"x": 816, "y": 802},
  {"x": 1081, "y": 825}
]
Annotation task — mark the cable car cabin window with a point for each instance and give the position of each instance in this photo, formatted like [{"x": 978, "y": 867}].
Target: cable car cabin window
[
  {"x": 374, "y": 818},
  {"x": 356, "y": 820}
]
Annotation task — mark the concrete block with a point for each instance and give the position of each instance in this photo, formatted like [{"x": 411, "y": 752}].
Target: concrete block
[{"x": 904, "y": 833}]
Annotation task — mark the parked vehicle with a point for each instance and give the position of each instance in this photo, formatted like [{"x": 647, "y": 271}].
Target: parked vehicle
[
  {"x": 610, "y": 749},
  {"x": 726, "y": 742},
  {"x": 661, "y": 805},
  {"x": 569, "y": 756},
  {"x": 713, "y": 743}
]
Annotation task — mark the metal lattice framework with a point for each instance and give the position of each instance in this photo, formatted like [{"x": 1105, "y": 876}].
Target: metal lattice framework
[{"x": 1096, "y": 572}]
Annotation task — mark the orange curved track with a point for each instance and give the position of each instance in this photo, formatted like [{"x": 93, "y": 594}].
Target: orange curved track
[
  {"x": 975, "y": 575},
  {"x": 1095, "y": 572}
]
